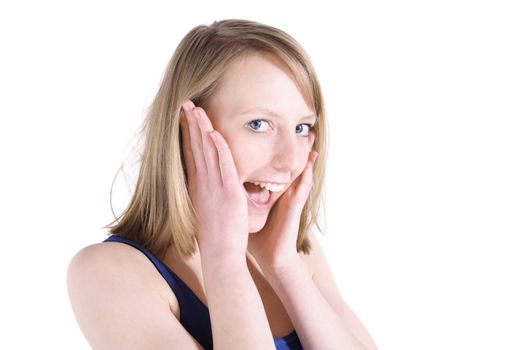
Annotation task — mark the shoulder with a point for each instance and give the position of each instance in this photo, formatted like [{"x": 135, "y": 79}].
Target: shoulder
[
  {"x": 110, "y": 255},
  {"x": 114, "y": 290},
  {"x": 112, "y": 266},
  {"x": 321, "y": 271},
  {"x": 110, "y": 260},
  {"x": 315, "y": 258},
  {"x": 325, "y": 281}
]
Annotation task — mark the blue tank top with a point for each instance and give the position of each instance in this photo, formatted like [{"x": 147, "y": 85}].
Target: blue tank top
[{"x": 194, "y": 314}]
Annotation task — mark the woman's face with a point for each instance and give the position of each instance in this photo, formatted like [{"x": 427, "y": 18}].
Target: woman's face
[{"x": 266, "y": 122}]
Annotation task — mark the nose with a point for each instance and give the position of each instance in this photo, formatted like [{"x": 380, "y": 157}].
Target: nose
[{"x": 288, "y": 153}]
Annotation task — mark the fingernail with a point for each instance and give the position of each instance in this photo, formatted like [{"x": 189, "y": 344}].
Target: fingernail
[{"x": 187, "y": 105}]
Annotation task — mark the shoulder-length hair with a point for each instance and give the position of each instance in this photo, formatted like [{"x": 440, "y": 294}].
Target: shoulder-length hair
[{"x": 160, "y": 212}]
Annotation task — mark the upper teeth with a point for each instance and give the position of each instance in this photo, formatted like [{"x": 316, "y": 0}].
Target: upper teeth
[{"x": 270, "y": 186}]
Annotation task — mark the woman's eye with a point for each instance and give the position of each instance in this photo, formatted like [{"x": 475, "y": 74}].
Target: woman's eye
[
  {"x": 259, "y": 125},
  {"x": 303, "y": 129}
]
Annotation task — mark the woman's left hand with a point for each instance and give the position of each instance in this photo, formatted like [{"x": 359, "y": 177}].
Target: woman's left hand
[{"x": 275, "y": 246}]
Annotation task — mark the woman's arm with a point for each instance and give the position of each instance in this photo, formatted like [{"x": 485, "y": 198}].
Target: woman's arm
[
  {"x": 237, "y": 313},
  {"x": 312, "y": 312},
  {"x": 238, "y": 319},
  {"x": 121, "y": 302},
  {"x": 319, "y": 314},
  {"x": 325, "y": 282},
  {"x": 316, "y": 323}
]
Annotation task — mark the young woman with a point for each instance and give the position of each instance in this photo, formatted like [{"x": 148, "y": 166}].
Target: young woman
[{"x": 215, "y": 249}]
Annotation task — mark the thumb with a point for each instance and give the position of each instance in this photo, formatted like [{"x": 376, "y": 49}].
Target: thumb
[{"x": 305, "y": 182}]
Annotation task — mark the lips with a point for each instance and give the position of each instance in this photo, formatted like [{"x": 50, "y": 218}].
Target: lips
[{"x": 259, "y": 197}]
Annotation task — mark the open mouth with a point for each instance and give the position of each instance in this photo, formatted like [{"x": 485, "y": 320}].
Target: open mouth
[{"x": 261, "y": 194}]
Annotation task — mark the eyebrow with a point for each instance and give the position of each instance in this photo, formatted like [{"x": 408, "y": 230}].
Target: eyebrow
[{"x": 272, "y": 113}]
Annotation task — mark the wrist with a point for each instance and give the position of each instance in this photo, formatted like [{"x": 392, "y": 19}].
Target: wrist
[
  {"x": 214, "y": 253},
  {"x": 285, "y": 268},
  {"x": 223, "y": 269},
  {"x": 222, "y": 260},
  {"x": 291, "y": 276}
]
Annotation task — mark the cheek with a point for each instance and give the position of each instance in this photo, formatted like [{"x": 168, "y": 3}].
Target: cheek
[
  {"x": 305, "y": 153},
  {"x": 246, "y": 155}
]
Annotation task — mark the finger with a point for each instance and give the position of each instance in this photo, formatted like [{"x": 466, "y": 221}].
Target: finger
[
  {"x": 226, "y": 163},
  {"x": 311, "y": 139},
  {"x": 208, "y": 148},
  {"x": 306, "y": 179},
  {"x": 195, "y": 140},
  {"x": 189, "y": 163}
]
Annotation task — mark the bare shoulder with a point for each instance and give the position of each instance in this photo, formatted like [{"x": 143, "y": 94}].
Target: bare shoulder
[
  {"x": 112, "y": 265},
  {"x": 324, "y": 279},
  {"x": 322, "y": 274},
  {"x": 315, "y": 258},
  {"x": 115, "y": 291},
  {"x": 111, "y": 259}
]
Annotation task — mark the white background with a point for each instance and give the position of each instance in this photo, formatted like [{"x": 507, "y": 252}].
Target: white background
[{"x": 425, "y": 188}]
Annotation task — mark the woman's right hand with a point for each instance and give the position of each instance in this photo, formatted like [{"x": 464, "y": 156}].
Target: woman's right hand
[{"x": 218, "y": 198}]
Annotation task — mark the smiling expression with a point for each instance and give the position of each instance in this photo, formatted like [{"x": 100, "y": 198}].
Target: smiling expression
[{"x": 261, "y": 113}]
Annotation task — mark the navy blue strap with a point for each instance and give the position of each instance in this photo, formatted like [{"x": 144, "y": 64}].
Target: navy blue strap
[{"x": 194, "y": 315}]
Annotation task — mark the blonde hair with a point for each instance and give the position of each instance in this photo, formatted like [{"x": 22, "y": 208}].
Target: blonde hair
[{"x": 160, "y": 211}]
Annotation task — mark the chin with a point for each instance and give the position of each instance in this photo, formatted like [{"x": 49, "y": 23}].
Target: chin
[{"x": 256, "y": 223}]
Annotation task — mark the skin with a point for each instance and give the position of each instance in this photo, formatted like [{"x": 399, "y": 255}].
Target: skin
[
  {"x": 256, "y": 128},
  {"x": 278, "y": 154},
  {"x": 120, "y": 300},
  {"x": 224, "y": 149}
]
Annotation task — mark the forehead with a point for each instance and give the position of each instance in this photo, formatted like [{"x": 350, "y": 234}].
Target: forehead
[{"x": 259, "y": 81}]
